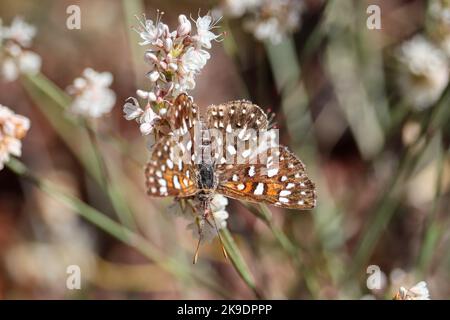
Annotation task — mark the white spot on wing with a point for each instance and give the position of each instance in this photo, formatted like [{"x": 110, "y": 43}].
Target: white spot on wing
[
  {"x": 259, "y": 189},
  {"x": 176, "y": 182},
  {"x": 231, "y": 150},
  {"x": 272, "y": 172},
  {"x": 284, "y": 200}
]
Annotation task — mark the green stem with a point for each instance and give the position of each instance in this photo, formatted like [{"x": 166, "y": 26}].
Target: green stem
[
  {"x": 433, "y": 228},
  {"x": 239, "y": 263},
  {"x": 286, "y": 244},
  {"x": 123, "y": 211}
]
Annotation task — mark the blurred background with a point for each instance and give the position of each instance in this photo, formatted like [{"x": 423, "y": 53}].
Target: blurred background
[{"x": 366, "y": 109}]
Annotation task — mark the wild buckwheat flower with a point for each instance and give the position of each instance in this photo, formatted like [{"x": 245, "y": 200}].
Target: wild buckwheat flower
[
  {"x": 423, "y": 72},
  {"x": 92, "y": 95},
  {"x": 417, "y": 292},
  {"x": 14, "y": 58},
  {"x": 13, "y": 128},
  {"x": 220, "y": 216},
  {"x": 268, "y": 20},
  {"x": 175, "y": 58}
]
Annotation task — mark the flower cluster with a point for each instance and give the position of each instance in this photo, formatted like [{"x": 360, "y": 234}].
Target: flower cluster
[
  {"x": 175, "y": 58},
  {"x": 15, "y": 59},
  {"x": 423, "y": 60},
  {"x": 267, "y": 19},
  {"x": 417, "y": 292},
  {"x": 13, "y": 128},
  {"x": 423, "y": 72},
  {"x": 92, "y": 95}
]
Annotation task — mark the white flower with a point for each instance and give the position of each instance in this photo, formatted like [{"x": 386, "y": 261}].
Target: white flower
[
  {"x": 423, "y": 73},
  {"x": 132, "y": 110},
  {"x": 93, "y": 97},
  {"x": 14, "y": 60},
  {"x": 267, "y": 29},
  {"x": 10, "y": 71},
  {"x": 237, "y": 8},
  {"x": 151, "y": 33},
  {"x": 268, "y": 20},
  {"x": 417, "y": 292},
  {"x": 195, "y": 59},
  {"x": 20, "y": 31},
  {"x": 184, "y": 27},
  {"x": 13, "y": 128},
  {"x": 148, "y": 121},
  {"x": 30, "y": 62},
  {"x": 204, "y": 35}
]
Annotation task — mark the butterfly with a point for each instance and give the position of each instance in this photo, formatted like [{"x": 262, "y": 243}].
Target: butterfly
[{"x": 218, "y": 153}]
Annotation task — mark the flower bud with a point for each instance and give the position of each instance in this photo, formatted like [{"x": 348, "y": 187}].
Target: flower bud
[
  {"x": 184, "y": 26},
  {"x": 142, "y": 94},
  {"x": 153, "y": 76},
  {"x": 168, "y": 44},
  {"x": 151, "y": 57}
]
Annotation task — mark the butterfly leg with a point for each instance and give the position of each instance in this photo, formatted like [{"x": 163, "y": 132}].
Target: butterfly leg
[{"x": 200, "y": 223}]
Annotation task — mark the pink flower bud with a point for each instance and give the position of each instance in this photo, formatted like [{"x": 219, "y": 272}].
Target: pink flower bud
[
  {"x": 184, "y": 27},
  {"x": 153, "y": 76}
]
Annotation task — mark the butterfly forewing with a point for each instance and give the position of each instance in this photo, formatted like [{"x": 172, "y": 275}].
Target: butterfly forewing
[
  {"x": 182, "y": 116},
  {"x": 235, "y": 121},
  {"x": 167, "y": 174}
]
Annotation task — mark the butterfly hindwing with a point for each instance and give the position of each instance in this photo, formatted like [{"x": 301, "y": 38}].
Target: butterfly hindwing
[{"x": 283, "y": 184}]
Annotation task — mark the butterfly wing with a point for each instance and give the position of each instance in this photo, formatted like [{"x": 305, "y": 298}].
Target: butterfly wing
[
  {"x": 235, "y": 121},
  {"x": 284, "y": 184},
  {"x": 167, "y": 174},
  {"x": 182, "y": 115},
  {"x": 239, "y": 114}
]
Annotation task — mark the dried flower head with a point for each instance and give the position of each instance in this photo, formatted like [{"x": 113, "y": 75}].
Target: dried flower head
[
  {"x": 423, "y": 72},
  {"x": 92, "y": 95},
  {"x": 14, "y": 58},
  {"x": 13, "y": 128}
]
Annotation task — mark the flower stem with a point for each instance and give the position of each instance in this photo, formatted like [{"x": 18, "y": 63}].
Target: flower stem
[
  {"x": 238, "y": 262},
  {"x": 433, "y": 230},
  {"x": 290, "y": 248},
  {"x": 123, "y": 211}
]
